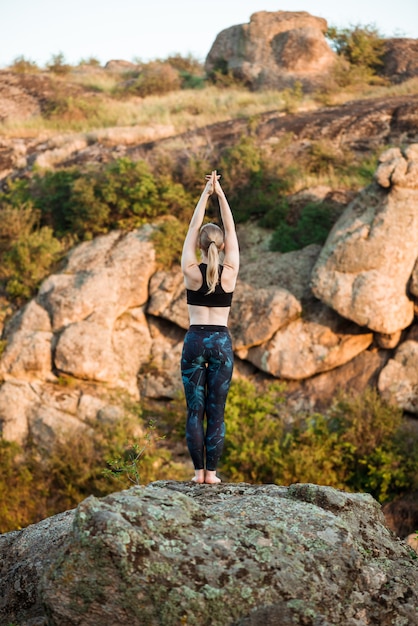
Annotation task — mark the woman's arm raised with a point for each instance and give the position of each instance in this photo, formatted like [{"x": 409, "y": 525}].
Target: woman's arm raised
[
  {"x": 188, "y": 257},
  {"x": 231, "y": 249}
]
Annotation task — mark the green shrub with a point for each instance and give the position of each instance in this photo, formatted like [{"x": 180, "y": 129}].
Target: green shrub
[
  {"x": 292, "y": 97},
  {"x": 255, "y": 184},
  {"x": 190, "y": 71},
  {"x": 35, "y": 485},
  {"x": 28, "y": 261},
  {"x": 124, "y": 194},
  {"x": 51, "y": 192},
  {"x": 254, "y": 432},
  {"x": 27, "y": 251},
  {"x": 222, "y": 76},
  {"x": 168, "y": 239},
  {"x": 362, "y": 47},
  {"x": 314, "y": 223},
  {"x": 360, "y": 444}
]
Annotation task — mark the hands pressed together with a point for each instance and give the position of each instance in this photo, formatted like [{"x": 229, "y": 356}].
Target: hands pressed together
[{"x": 212, "y": 183}]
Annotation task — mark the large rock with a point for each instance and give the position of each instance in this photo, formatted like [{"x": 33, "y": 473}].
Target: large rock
[
  {"x": 87, "y": 322},
  {"x": 366, "y": 263},
  {"x": 319, "y": 392},
  {"x": 28, "y": 351},
  {"x": 317, "y": 342},
  {"x": 400, "y": 59},
  {"x": 274, "y": 50},
  {"x": 398, "y": 381},
  {"x": 47, "y": 412},
  {"x": 173, "y": 553}
]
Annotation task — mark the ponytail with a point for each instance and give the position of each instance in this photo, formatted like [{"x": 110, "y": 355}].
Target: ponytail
[
  {"x": 211, "y": 241},
  {"x": 212, "y": 274}
]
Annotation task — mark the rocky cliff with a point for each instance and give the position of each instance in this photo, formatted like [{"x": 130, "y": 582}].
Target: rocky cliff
[{"x": 243, "y": 555}]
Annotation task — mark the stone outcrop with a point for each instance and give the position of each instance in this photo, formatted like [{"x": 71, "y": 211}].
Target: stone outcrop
[
  {"x": 365, "y": 266},
  {"x": 400, "y": 60},
  {"x": 220, "y": 556},
  {"x": 274, "y": 50},
  {"x": 317, "y": 342},
  {"x": 398, "y": 381}
]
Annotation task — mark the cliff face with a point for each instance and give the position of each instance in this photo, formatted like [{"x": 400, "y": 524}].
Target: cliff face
[{"x": 173, "y": 553}]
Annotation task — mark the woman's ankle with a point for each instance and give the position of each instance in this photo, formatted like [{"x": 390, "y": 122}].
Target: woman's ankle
[
  {"x": 211, "y": 477},
  {"x": 199, "y": 476}
]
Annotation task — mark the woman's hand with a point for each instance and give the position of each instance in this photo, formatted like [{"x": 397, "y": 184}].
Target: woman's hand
[{"x": 212, "y": 183}]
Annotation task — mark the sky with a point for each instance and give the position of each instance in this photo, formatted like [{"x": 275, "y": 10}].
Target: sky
[{"x": 151, "y": 29}]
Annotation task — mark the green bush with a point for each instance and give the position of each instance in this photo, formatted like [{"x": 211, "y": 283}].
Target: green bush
[
  {"x": 28, "y": 261},
  {"x": 168, "y": 239},
  {"x": 254, "y": 433},
  {"x": 362, "y": 48},
  {"x": 360, "y": 444},
  {"x": 190, "y": 71},
  {"x": 256, "y": 185},
  {"x": 35, "y": 485},
  {"x": 314, "y": 223},
  {"x": 27, "y": 251}
]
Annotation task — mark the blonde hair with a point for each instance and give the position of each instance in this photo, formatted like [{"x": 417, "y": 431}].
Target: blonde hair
[{"x": 211, "y": 241}]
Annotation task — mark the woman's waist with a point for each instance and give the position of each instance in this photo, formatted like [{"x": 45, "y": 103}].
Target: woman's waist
[{"x": 212, "y": 316}]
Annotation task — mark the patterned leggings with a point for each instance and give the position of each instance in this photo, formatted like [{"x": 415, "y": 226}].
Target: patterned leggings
[{"x": 206, "y": 367}]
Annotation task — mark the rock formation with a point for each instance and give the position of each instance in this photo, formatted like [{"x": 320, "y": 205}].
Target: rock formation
[
  {"x": 365, "y": 266},
  {"x": 400, "y": 60},
  {"x": 274, "y": 50},
  {"x": 173, "y": 553},
  {"x": 111, "y": 320}
]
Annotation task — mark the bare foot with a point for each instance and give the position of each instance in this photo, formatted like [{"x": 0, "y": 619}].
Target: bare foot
[
  {"x": 211, "y": 478},
  {"x": 199, "y": 477}
]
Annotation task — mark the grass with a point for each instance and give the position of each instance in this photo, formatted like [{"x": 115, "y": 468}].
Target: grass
[
  {"x": 179, "y": 110},
  {"x": 172, "y": 113}
]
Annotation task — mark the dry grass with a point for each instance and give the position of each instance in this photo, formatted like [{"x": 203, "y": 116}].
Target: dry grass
[
  {"x": 155, "y": 117},
  {"x": 180, "y": 110}
]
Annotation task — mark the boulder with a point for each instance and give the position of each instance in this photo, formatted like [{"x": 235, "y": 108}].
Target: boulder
[
  {"x": 398, "y": 381},
  {"x": 160, "y": 377},
  {"x": 290, "y": 271},
  {"x": 413, "y": 285},
  {"x": 232, "y": 554},
  {"x": 318, "y": 341},
  {"x": 47, "y": 412},
  {"x": 400, "y": 59},
  {"x": 257, "y": 314},
  {"x": 28, "y": 351},
  {"x": 167, "y": 297},
  {"x": 17, "y": 401},
  {"x": 88, "y": 323},
  {"x": 320, "y": 391},
  {"x": 366, "y": 263},
  {"x": 274, "y": 50}
]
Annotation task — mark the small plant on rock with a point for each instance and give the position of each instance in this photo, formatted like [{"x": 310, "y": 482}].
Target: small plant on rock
[{"x": 127, "y": 462}]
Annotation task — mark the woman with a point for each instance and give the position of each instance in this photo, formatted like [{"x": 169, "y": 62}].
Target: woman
[{"x": 207, "y": 359}]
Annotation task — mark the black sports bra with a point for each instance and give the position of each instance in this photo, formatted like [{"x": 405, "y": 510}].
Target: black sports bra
[{"x": 219, "y": 297}]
